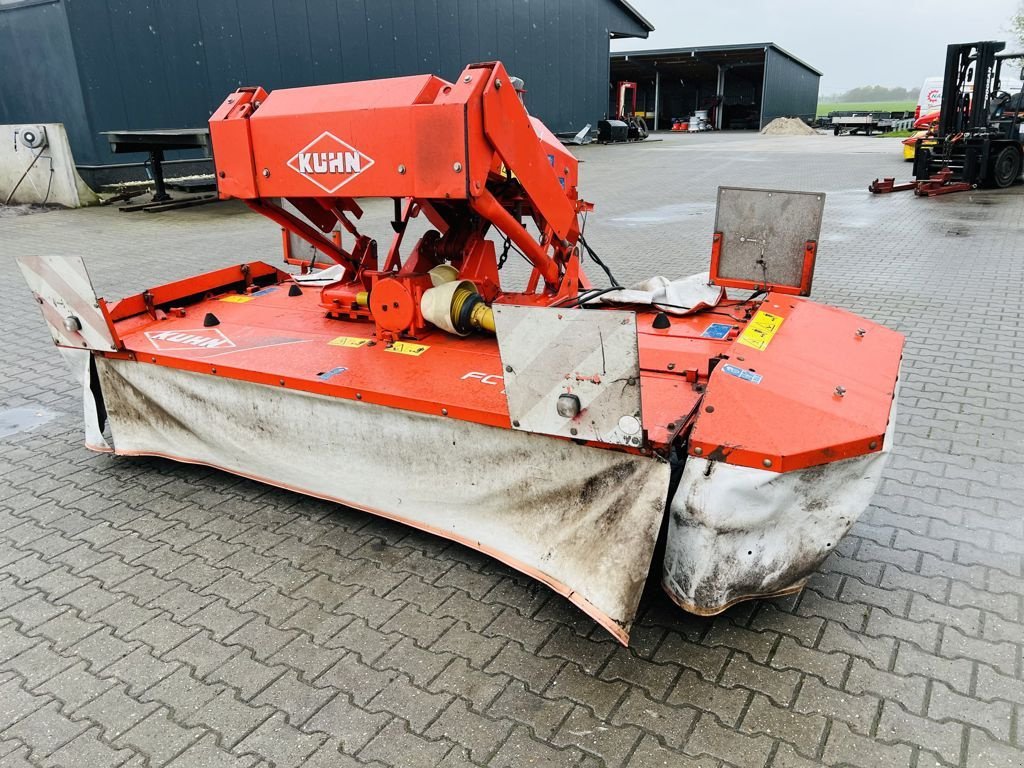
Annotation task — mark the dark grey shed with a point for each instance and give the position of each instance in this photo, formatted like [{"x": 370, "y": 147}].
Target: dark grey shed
[
  {"x": 98, "y": 65},
  {"x": 754, "y": 83}
]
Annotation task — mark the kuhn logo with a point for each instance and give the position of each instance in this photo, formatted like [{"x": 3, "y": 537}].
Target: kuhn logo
[
  {"x": 166, "y": 341},
  {"x": 329, "y": 162}
]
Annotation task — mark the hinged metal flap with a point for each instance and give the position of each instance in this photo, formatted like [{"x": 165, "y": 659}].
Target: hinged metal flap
[
  {"x": 61, "y": 286},
  {"x": 766, "y": 238},
  {"x": 571, "y": 372}
]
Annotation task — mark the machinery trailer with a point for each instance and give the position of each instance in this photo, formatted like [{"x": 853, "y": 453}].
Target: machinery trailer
[
  {"x": 563, "y": 429},
  {"x": 868, "y": 122}
]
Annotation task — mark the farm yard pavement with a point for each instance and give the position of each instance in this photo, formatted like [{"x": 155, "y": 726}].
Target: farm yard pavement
[{"x": 156, "y": 614}]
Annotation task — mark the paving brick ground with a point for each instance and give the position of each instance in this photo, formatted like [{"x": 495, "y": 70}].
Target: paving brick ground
[{"x": 159, "y": 614}]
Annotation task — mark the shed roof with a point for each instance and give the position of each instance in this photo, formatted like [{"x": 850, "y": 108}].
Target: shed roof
[
  {"x": 708, "y": 52},
  {"x": 637, "y": 16}
]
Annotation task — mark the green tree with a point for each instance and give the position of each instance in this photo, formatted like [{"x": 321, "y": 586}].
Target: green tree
[
  {"x": 867, "y": 93},
  {"x": 1017, "y": 24}
]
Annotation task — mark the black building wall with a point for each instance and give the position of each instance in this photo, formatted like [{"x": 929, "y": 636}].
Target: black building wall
[
  {"x": 38, "y": 78},
  {"x": 99, "y": 65},
  {"x": 790, "y": 88}
]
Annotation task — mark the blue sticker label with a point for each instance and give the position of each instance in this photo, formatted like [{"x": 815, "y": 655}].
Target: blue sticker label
[
  {"x": 330, "y": 374},
  {"x": 739, "y": 373},
  {"x": 716, "y": 331},
  {"x": 265, "y": 291}
]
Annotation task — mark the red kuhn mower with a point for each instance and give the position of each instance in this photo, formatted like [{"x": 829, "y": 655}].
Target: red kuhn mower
[{"x": 562, "y": 429}]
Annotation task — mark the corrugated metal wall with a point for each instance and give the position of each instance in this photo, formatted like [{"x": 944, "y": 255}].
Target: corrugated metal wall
[
  {"x": 39, "y": 83},
  {"x": 169, "y": 63},
  {"x": 790, "y": 88}
]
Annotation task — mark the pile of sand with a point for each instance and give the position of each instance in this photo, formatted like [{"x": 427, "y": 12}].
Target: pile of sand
[{"x": 788, "y": 126}]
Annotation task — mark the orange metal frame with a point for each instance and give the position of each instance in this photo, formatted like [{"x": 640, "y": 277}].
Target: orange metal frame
[
  {"x": 267, "y": 335},
  {"x": 466, "y": 150},
  {"x": 467, "y": 156},
  {"x": 803, "y": 288}
]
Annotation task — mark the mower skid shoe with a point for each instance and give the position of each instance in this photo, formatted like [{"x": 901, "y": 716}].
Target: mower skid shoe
[{"x": 582, "y": 520}]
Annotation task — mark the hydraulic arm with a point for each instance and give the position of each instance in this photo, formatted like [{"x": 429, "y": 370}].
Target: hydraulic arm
[{"x": 464, "y": 154}]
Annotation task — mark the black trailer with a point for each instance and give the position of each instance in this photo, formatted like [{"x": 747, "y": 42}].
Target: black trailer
[{"x": 978, "y": 140}]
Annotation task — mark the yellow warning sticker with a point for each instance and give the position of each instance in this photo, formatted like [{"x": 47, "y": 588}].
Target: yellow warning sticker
[
  {"x": 348, "y": 341},
  {"x": 759, "y": 332},
  {"x": 407, "y": 348},
  {"x": 238, "y": 299}
]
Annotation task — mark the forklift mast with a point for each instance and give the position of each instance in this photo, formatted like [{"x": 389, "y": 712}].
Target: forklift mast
[
  {"x": 965, "y": 109},
  {"x": 972, "y": 80}
]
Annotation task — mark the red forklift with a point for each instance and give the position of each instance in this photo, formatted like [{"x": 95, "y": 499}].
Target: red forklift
[{"x": 978, "y": 139}]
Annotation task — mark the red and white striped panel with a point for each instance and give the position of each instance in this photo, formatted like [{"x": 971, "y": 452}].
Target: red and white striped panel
[{"x": 61, "y": 286}]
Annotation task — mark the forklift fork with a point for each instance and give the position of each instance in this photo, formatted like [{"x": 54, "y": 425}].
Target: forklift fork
[
  {"x": 940, "y": 183},
  {"x": 888, "y": 184}
]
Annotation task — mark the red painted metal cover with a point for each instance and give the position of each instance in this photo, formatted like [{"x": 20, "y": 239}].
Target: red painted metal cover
[{"x": 803, "y": 384}]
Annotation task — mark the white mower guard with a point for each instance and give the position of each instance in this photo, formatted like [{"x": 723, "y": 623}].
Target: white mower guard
[{"x": 582, "y": 520}]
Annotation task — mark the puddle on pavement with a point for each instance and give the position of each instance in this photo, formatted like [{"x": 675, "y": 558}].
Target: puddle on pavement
[
  {"x": 10, "y": 211},
  {"x": 664, "y": 213},
  {"x": 16, "y": 420}
]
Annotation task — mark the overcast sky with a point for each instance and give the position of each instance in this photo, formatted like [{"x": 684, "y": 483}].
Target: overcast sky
[{"x": 853, "y": 42}]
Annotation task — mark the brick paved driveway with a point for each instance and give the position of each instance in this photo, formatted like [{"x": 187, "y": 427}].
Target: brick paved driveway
[{"x": 153, "y": 613}]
